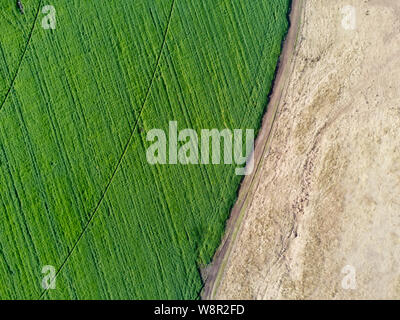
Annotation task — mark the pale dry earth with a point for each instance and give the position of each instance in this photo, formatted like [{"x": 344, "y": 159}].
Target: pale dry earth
[{"x": 322, "y": 220}]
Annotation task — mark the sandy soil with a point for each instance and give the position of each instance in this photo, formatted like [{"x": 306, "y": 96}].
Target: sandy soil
[{"x": 321, "y": 216}]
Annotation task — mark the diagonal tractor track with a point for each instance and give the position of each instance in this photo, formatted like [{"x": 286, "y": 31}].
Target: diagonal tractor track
[
  {"x": 28, "y": 41},
  {"x": 124, "y": 152}
]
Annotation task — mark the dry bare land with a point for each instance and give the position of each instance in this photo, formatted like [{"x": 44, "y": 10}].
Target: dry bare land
[{"x": 324, "y": 207}]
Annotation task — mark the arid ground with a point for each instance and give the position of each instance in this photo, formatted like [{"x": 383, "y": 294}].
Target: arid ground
[{"x": 320, "y": 218}]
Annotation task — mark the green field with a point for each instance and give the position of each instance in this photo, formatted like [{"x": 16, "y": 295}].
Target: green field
[{"x": 76, "y": 190}]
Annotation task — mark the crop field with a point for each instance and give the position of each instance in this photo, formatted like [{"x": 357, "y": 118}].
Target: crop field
[{"x": 76, "y": 103}]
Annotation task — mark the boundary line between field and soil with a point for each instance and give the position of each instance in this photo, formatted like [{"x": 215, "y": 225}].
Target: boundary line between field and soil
[
  {"x": 118, "y": 165},
  {"x": 22, "y": 57},
  {"x": 215, "y": 271}
]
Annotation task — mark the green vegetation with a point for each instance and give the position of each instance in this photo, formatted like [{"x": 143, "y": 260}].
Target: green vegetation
[{"x": 76, "y": 191}]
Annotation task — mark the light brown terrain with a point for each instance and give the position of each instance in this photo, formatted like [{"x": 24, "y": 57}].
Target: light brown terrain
[{"x": 321, "y": 218}]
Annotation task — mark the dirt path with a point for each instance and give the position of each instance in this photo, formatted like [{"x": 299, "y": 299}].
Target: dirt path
[
  {"x": 215, "y": 271},
  {"x": 320, "y": 217}
]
